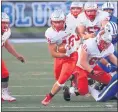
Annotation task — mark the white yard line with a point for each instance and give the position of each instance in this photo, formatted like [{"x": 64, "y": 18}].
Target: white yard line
[
  {"x": 30, "y": 86},
  {"x": 64, "y": 106},
  {"x": 31, "y": 74},
  {"x": 27, "y": 40},
  {"x": 33, "y": 78},
  {"x": 32, "y": 95}
]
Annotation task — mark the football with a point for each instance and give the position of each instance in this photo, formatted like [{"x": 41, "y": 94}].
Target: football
[{"x": 61, "y": 48}]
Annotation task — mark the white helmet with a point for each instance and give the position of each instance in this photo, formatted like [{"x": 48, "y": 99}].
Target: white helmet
[
  {"x": 90, "y": 5},
  {"x": 5, "y": 17},
  {"x": 57, "y": 15},
  {"x": 76, "y": 4},
  {"x": 107, "y": 5},
  {"x": 103, "y": 41},
  {"x": 106, "y": 37}
]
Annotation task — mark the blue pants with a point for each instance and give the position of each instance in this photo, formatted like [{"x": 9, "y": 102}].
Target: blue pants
[{"x": 110, "y": 90}]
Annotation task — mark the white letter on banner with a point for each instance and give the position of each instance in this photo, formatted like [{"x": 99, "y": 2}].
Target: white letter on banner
[
  {"x": 39, "y": 13},
  {"x": 55, "y": 5},
  {"x": 8, "y": 7},
  {"x": 21, "y": 19}
]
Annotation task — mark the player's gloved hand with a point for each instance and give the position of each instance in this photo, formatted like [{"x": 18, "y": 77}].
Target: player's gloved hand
[
  {"x": 69, "y": 50},
  {"x": 111, "y": 68},
  {"x": 96, "y": 73},
  {"x": 21, "y": 58}
]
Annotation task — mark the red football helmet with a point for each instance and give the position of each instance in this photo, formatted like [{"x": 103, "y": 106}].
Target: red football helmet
[
  {"x": 104, "y": 41},
  {"x": 76, "y": 8},
  {"x": 4, "y": 22},
  {"x": 58, "y": 20},
  {"x": 90, "y": 10}
]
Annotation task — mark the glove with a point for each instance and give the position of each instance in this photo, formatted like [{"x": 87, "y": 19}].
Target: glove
[
  {"x": 96, "y": 73},
  {"x": 69, "y": 50},
  {"x": 111, "y": 68}
]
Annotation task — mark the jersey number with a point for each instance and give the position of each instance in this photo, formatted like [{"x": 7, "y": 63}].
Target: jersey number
[
  {"x": 93, "y": 29},
  {"x": 71, "y": 40}
]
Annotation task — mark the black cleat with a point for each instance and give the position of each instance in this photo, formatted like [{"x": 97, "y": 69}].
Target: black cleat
[
  {"x": 77, "y": 93},
  {"x": 99, "y": 86},
  {"x": 91, "y": 81},
  {"x": 66, "y": 93}
]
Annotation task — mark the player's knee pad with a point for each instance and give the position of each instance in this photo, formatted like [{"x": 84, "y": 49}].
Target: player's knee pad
[
  {"x": 5, "y": 79},
  {"x": 61, "y": 85},
  {"x": 83, "y": 91},
  {"x": 83, "y": 86}
]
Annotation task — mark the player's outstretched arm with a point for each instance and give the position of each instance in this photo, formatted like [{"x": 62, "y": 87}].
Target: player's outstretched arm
[{"x": 10, "y": 48}]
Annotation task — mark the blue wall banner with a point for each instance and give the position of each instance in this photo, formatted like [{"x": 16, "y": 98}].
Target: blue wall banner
[{"x": 36, "y": 14}]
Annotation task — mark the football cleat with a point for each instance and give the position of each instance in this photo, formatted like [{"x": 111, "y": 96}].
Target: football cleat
[
  {"x": 99, "y": 86},
  {"x": 66, "y": 93},
  {"x": 6, "y": 96},
  {"x": 91, "y": 81},
  {"x": 47, "y": 100}
]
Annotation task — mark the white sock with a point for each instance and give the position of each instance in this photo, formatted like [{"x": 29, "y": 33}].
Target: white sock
[
  {"x": 72, "y": 91},
  {"x": 94, "y": 92}
]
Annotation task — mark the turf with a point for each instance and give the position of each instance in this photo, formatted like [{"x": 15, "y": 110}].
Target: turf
[
  {"x": 29, "y": 29},
  {"x": 30, "y": 82}
]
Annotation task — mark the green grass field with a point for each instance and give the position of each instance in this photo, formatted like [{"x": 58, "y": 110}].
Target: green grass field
[
  {"x": 30, "y": 82},
  {"x": 29, "y": 29}
]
